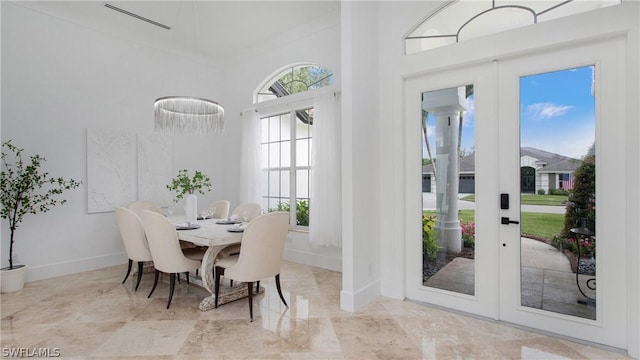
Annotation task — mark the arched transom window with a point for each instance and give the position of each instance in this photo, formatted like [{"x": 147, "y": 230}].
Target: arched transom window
[
  {"x": 461, "y": 20},
  {"x": 294, "y": 80}
]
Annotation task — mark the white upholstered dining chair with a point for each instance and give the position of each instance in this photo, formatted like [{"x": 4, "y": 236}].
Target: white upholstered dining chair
[
  {"x": 247, "y": 211},
  {"x": 219, "y": 209},
  {"x": 260, "y": 256},
  {"x": 134, "y": 239},
  {"x": 139, "y": 206},
  {"x": 165, "y": 250}
]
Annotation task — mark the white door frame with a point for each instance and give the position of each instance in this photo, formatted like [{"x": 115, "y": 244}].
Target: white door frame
[
  {"x": 611, "y": 22},
  {"x": 609, "y": 328}
]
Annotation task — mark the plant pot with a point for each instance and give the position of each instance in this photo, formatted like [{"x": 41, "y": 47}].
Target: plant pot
[
  {"x": 12, "y": 280},
  {"x": 191, "y": 208}
]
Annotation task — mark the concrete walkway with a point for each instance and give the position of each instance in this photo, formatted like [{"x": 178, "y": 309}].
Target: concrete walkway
[{"x": 547, "y": 281}]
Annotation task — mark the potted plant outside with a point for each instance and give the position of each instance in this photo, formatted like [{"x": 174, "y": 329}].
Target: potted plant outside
[
  {"x": 25, "y": 189},
  {"x": 185, "y": 187}
]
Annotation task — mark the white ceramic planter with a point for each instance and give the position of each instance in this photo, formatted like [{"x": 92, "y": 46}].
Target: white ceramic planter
[
  {"x": 12, "y": 280},
  {"x": 191, "y": 208}
]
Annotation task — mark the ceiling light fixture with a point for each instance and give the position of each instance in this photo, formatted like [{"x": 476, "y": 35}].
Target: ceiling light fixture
[{"x": 185, "y": 114}]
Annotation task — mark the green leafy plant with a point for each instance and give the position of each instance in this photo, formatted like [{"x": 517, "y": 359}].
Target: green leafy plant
[
  {"x": 25, "y": 189},
  {"x": 429, "y": 244},
  {"x": 582, "y": 199},
  {"x": 302, "y": 210},
  {"x": 184, "y": 184}
]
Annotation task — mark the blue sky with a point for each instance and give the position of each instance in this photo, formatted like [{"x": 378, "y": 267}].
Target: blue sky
[{"x": 557, "y": 113}]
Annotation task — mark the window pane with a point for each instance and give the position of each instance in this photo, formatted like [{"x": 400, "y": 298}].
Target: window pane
[
  {"x": 285, "y": 187},
  {"x": 285, "y": 154},
  {"x": 285, "y": 126},
  {"x": 274, "y": 183},
  {"x": 302, "y": 183},
  {"x": 448, "y": 223},
  {"x": 274, "y": 155},
  {"x": 265, "y": 156},
  {"x": 302, "y": 152},
  {"x": 264, "y": 182},
  {"x": 274, "y": 128}
]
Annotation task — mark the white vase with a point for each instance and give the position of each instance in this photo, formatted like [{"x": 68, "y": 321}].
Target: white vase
[
  {"x": 12, "y": 280},
  {"x": 191, "y": 208}
]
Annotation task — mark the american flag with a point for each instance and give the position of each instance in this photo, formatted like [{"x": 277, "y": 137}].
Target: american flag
[{"x": 566, "y": 181}]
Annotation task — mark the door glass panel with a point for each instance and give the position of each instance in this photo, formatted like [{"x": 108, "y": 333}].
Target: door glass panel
[
  {"x": 557, "y": 185},
  {"x": 448, "y": 176}
]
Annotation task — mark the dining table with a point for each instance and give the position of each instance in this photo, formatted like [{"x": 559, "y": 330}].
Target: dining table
[{"x": 214, "y": 234}]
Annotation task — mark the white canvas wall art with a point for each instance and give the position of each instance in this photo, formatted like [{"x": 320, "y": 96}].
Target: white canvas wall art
[
  {"x": 110, "y": 169},
  {"x": 155, "y": 167}
]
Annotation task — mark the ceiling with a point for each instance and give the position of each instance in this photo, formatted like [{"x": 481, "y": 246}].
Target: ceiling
[{"x": 215, "y": 30}]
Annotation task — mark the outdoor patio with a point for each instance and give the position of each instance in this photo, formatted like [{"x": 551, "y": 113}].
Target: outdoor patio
[{"x": 547, "y": 280}]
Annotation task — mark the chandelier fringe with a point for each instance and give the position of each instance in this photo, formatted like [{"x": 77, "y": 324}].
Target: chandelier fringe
[{"x": 180, "y": 114}]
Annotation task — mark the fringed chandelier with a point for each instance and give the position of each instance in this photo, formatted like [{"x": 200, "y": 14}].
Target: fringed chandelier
[{"x": 184, "y": 114}]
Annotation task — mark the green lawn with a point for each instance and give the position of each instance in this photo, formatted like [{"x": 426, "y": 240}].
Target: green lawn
[
  {"x": 538, "y": 225},
  {"x": 533, "y": 199}
]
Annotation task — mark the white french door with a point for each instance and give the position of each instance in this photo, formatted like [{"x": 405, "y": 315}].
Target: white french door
[
  {"x": 496, "y": 281},
  {"x": 546, "y": 296},
  {"x": 461, "y": 283}
]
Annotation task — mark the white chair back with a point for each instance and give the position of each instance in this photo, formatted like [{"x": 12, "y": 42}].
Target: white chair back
[
  {"x": 262, "y": 248},
  {"x": 164, "y": 244},
  {"x": 221, "y": 209},
  {"x": 133, "y": 236},
  {"x": 248, "y": 210},
  {"x": 139, "y": 206}
]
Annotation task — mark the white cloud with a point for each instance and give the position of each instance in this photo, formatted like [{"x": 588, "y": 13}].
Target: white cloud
[{"x": 542, "y": 111}]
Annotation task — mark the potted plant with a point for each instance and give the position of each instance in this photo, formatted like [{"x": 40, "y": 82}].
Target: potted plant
[
  {"x": 185, "y": 186},
  {"x": 25, "y": 189}
]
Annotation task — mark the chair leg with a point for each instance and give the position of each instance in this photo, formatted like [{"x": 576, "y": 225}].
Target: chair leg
[
  {"x": 155, "y": 283},
  {"x": 187, "y": 275},
  {"x": 250, "y": 289},
  {"x": 139, "y": 275},
  {"x": 172, "y": 285},
  {"x": 258, "y": 287},
  {"x": 280, "y": 290},
  {"x": 128, "y": 271},
  {"x": 230, "y": 283},
  {"x": 218, "y": 272}
]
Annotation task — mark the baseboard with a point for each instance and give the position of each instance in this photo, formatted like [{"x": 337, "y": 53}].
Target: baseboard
[
  {"x": 75, "y": 266},
  {"x": 313, "y": 259},
  {"x": 352, "y": 301}
]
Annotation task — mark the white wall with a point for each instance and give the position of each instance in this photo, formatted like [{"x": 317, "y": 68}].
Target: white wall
[{"x": 60, "y": 78}]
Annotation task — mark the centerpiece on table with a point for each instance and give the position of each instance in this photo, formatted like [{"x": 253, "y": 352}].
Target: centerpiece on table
[
  {"x": 185, "y": 186},
  {"x": 25, "y": 189}
]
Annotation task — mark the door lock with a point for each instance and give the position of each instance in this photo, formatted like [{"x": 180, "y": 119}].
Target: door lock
[{"x": 506, "y": 221}]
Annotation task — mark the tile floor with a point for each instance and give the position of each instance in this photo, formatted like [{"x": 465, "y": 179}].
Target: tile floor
[{"x": 91, "y": 315}]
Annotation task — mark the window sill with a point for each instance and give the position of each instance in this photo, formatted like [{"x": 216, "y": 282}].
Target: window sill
[{"x": 299, "y": 230}]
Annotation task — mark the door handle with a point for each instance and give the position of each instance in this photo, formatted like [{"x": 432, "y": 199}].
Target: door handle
[{"x": 506, "y": 221}]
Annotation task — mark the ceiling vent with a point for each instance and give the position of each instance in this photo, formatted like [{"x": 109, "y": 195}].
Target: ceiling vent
[{"x": 109, "y": 6}]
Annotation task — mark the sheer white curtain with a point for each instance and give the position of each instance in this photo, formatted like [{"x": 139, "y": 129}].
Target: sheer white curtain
[
  {"x": 326, "y": 194},
  {"x": 250, "y": 158}
]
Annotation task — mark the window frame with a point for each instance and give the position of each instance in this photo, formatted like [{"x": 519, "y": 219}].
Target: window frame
[{"x": 276, "y": 107}]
